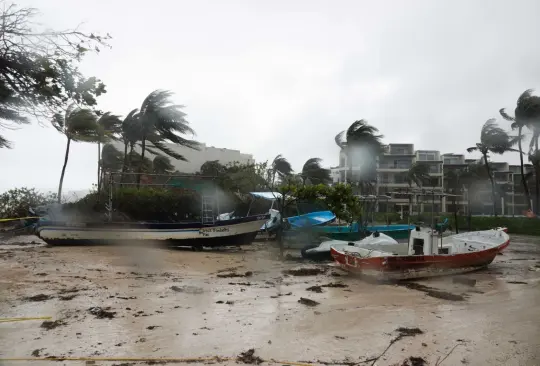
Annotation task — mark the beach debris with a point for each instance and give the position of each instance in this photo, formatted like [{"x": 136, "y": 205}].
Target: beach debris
[
  {"x": 240, "y": 283},
  {"x": 152, "y": 327},
  {"x": 48, "y": 325},
  {"x": 37, "y": 352},
  {"x": 464, "y": 280},
  {"x": 413, "y": 361},
  {"x": 39, "y": 297},
  {"x": 402, "y": 333},
  {"x": 101, "y": 313},
  {"x": 308, "y": 302},
  {"x": 229, "y": 302},
  {"x": 335, "y": 285},
  {"x": 187, "y": 289},
  {"x": 305, "y": 271},
  {"x": 317, "y": 289},
  {"x": 430, "y": 291},
  {"x": 517, "y": 282},
  {"x": 249, "y": 357}
]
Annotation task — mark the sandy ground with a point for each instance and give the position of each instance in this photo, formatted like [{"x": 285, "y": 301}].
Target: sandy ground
[{"x": 175, "y": 303}]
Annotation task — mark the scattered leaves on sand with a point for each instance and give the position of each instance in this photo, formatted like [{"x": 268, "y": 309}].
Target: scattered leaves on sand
[
  {"x": 101, "y": 313},
  {"x": 48, "y": 325},
  {"x": 308, "y": 302},
  {"x": 304, "y": 271},
  {"x": 234, "y": 274},
  {"x": 37, "y": 352},
  {"x": 187, "y": 289},
  {"x": 67, "y": 297},
  {"x": 249, "y": 357},
  {"x": 434, "y": 292},
  {"x": 40, "y": 297},
  {"x": 317, "y": 289},
  {"x": 335, "y": 285}
]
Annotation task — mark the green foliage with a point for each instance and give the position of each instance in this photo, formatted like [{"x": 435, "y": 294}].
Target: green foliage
[
  {"x": 314, "y": 173},
  {"x": 38, "y": 68},
  {"x": 162, "y": 165},
  {"x": 16, "y": 202},
  {"x": 236, "y": 177}
]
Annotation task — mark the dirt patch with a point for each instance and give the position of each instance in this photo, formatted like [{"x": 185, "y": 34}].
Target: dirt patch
[
  {"x": 308, "y": 302},
  {"x": 249, "y": 357},
  {"x": 305, "y": 271},
  {"x": 40, "y": 297},
  {"x": 430, "y": 291},
  {"x": 101, "y": 313},
  {"x": 48, "y": 325},
  {"x": 317, "y": 289},
  {"x": 234, "y": 274}
]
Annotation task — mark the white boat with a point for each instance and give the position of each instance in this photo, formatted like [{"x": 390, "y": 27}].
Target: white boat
[{"x": 375, "y": 241}]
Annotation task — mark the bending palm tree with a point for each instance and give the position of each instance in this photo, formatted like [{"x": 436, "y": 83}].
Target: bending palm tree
[
  {"x": 162, "y": 165},
  {"x": 108, "y": 126},
  {"x": 281, "y": 167},
  {"x": 131, "y": 134},
  {"x": 161, "y": 122},
  {"x": 361, "y": 143},
  {"x": 493, "y": 139},
  {"x": 525, "y": 115},
  {"x": 76, "y": 124},
  {"x": 313, "y": 171}
]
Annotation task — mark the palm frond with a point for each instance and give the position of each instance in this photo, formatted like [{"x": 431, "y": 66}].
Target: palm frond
[
  {"x": 168, "y": 151},
  {"x": 505, "y": 115},
  {"x": 340, "y": 139},
  {"x": 281, "y": 165},
  {"x": 4, "y": 143},
  {"x": 313, "y": 171}
]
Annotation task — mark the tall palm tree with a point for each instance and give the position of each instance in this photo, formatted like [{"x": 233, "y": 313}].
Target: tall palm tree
[
  {"x": 161, "y": 122},
  {"x": 77, "y": 124},
  {"x": 131, "y": 134},
  {"x": 162, "y": 165},
  {"x": 493, "y": 139},
  {"x": 417, "y": 174},
  {"x": 280, "y": 167},
  {"x": 314, "y": 171},
  {"x": 111, "y": 160},
  {"x": 108, "y": 126},
  {"x": 526, "y": 114},
  {"x": 362, "y": 144}
]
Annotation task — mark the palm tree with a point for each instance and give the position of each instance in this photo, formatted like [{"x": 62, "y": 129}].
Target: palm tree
[
  {"x": 281, "y": 167},
  {"x": 77, "y": 124},
  {"x": 454, "y": 180},
  {"x": 493, "y": 139},
  {"x": 361, "y": 143},
  {"x": 108, "y": 126},
  {"x": 162, "y": 165},
  {"x": 131, "y": 134},
  {"x": 161, "y": 122},
  {"x": 111, "y": 160},
  {"x": 417, "y": 174},
  {"x": 313, "y": 171},
  {"x": 526, "y": 114}
]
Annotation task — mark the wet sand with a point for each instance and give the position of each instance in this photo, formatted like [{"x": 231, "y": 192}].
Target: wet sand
[{"x": 178, "y": 304}]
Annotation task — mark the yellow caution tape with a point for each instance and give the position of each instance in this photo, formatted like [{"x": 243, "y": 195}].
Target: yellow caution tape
[
  {"x": 20, "y": 218},
  {"x": 8, "y": 320}
]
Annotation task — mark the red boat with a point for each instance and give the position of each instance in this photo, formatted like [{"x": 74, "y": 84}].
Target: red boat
[{"x": 425, "y": 255}]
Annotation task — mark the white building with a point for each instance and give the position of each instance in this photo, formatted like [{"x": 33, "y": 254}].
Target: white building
[{"x": 196, "y": 158}]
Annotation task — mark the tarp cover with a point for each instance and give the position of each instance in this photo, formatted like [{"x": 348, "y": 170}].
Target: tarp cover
[{"x": 266, "y": 195}]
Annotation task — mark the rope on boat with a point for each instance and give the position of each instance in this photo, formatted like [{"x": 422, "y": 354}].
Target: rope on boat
[
  {"x": 9, "y": 320},
  {"x": 144, "y": 359}
]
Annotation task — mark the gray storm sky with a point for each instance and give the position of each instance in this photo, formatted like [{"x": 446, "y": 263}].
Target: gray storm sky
[{"x": 271, "y": 77}]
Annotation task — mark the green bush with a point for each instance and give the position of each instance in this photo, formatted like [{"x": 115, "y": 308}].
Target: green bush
[{"x": 16, "y": 202}]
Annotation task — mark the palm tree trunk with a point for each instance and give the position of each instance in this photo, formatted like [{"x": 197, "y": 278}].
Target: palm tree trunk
[
  {"x": 63, "y": 171},
  {"x": 143, "y": 148},
  {"x": 537, "y": 179},
  {"x": 492, "y": 184},
  {"x": 455, "y": 214},
  {"x": 99, "y": 167},
  {"x": 124, "y": 165},
  {"x": 522, "y": 170}
]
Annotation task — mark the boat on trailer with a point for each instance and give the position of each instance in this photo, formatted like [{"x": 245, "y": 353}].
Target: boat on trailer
[
  {"x": 428, "y": 255},
  {"x": 209, "y": 231}
]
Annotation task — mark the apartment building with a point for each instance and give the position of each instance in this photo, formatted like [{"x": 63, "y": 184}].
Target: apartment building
[{"x": 394, "y": 164}]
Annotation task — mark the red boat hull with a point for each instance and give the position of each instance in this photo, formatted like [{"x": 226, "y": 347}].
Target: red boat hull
[{"x": 416, "y": 266}]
